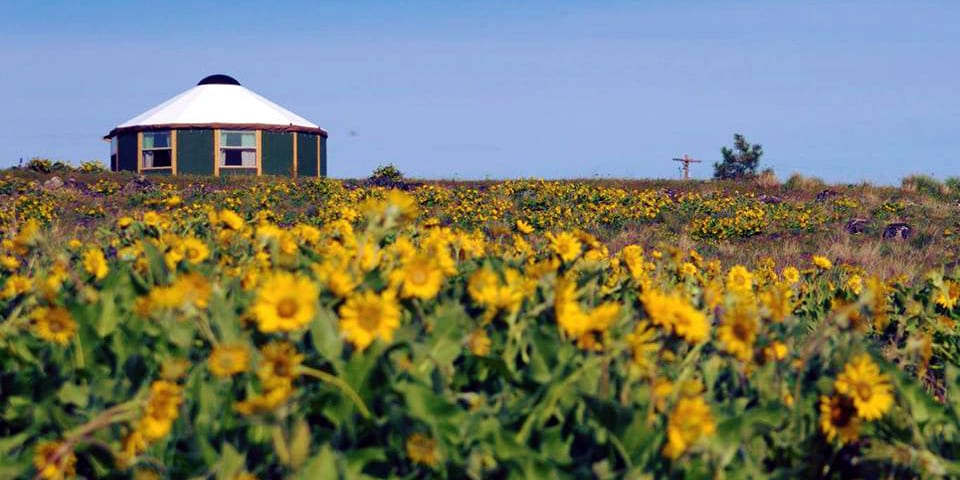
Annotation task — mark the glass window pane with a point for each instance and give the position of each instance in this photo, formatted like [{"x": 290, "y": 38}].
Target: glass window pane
[
  {"x": 235, "y": 157},
  {"x": 238, "y": 139},
  {"x": 231, "y": 158},
  {"x": 231, "y": 139},
  {"x": 156, "y": 140},
  {"x": 249, "y": 158},
  {"x": 157, "y": 159}
]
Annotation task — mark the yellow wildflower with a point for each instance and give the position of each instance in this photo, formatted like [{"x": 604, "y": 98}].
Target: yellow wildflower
[
  {"x": 738, "y": 331},
  {"x": 421, "y": 278},
  {"x": 54, "y": 460},
  {"x": 524, "y": 227},
  {"x": 791, "y": 275},
  {"x": 54, "y": 325},
  {"x": 230, "y": 220},
  {"x": 422, "y": 449},
  {"x": 838, "y": 418},
  {"x": 821, "y": 262},
  {"x": 161, "y": 410},
  {"x": 285, "y": 302},
  {"x": 676, "y": 315},
  {"x": 478, "y": 342},
  {"x": 194, "y": 250},
  {"x": 366, "y": 316},
  {"x": 228, "y": 360},
  {"x": 565, "y": 245},
  {"x": 268, "y": 401},
  {"x": 870, "y": 389},
  {"x": 15, "y": 286},
  {"x": 948, "y": 294},
  {"x": 279, "y": 364},
  {"x": 739, "y": 280},
  {"x": 9, "y": 263},
  {"x": 644, "y": 345},
  {"x": 95, "y": 263},
  {"x": 776, "y": 351},
  {"x": 151, "y": 219},
  {"x": 689, "y": 421}
]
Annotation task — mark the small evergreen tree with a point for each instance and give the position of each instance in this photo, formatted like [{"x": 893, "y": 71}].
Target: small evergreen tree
[{"x": 741, "y": 162}]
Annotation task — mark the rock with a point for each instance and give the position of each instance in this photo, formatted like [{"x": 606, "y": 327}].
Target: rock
[
  {"x": 897, "y": 231},
  {"x": 770, "y": 199},
  {"x": 53, "y": 183},
  {"x": 826, "y": 195},
  {"x": 138, "y": 184},
  {"x": 857, "y": 225},
  {"x": 77, "y": 185}
]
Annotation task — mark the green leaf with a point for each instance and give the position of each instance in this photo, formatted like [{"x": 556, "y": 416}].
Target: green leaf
[
  {"x": 731, "y": 432},
  {"x": 323, "y": 464},
  {"x": 611, "y": 415},
  {"x": 554, "y": 446},
  {"x": 444, "y": 416},
  {"x": 108, "y": 319},
  {"x": 324, "y": 335},
  {"x": 358, "y": 459},
  {"x": 8, "y": 444},
  {"x": 231, "y": 462},
  {"x": 280, "y": 446},
  {"x": 299, "y": 444},
  {"x": 73, "y": 394}
]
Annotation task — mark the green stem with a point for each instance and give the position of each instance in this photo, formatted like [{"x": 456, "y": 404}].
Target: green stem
[
  {"x": 340, "y": 384},
  {"x": 116, "y": 414}
]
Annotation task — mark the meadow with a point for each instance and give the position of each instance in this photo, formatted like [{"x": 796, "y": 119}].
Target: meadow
[{"x": 187, "y": 327}]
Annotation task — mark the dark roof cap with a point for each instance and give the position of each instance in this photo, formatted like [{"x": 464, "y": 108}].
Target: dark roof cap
[{"x": 219, "y": 79}]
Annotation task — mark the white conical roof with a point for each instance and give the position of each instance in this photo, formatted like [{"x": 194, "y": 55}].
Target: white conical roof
[{"x": 221, "y": 101}]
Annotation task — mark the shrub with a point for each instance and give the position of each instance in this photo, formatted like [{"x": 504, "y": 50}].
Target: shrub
[
  {"x": 953, "y": 184},
  {"x": 799, "y": 182},
  {"x": 60, "y": 166},
  {"x": 768, "y": 179},
  {"x": 92, "y": 166},
  {"x": 41, "y": 165},
  {"x": 923, "y": 184},
  {"x": 387, "y": 172}
]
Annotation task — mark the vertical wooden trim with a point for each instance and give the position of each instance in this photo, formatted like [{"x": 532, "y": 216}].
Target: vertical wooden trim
[
  {"x": 216, "y": 152},
  {"x": 295, "y": 154},
  {"x": 259, "y": 152},
  {"x": 173, "y": 152},
  {"x": 139, "y": 152},
  {"x": 318, "y": 156}
]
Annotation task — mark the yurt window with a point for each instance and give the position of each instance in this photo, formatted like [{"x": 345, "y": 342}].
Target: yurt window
[
  {"x": 238, "y": 149},
  {"x": 157, "y": 152}
]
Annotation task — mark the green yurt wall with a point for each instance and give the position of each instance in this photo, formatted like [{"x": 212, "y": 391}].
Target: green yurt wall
[{"x": 195, "y": 152}]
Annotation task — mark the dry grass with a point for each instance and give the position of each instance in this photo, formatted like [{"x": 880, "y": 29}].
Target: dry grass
[{"x": 926, "y": 205}]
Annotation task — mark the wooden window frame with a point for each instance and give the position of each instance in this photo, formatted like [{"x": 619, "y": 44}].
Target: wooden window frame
[
  {"x": 172, "y": 148},
  {"x": 219, "y": 148}
]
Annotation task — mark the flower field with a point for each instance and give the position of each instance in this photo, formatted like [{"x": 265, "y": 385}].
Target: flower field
[{"x": 519, "y": 329}]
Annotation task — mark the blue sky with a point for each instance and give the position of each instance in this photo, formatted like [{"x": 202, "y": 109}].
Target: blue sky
[{"x": 844, "y": 90}]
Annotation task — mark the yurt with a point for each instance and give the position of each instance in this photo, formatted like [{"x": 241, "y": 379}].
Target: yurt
[{"x": 219, "y": 127}]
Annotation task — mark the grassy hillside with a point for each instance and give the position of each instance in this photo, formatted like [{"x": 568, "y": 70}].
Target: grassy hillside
[
  {"x": 736, "y": 222},
  {"x": 267, "y": 328}
]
